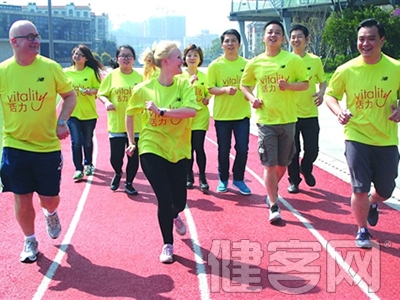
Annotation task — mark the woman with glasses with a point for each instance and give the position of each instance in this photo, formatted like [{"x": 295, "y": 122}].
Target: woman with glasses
[
  {"x": 193, "y": 57},
  {"x": 166, "y": 104},
  {"x": 115, "y": 91},
  {"x": 85, "y": 76}
]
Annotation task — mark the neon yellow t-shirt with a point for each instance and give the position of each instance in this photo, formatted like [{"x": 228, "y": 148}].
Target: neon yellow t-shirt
[
  {"x": 223, "y": 72},
  {"x": 85, "y": 108},
  {"x": 370, "y": 91},
  {"x": 117, "y": 87},
  {"x": 202, "y": 119},
  {"x": 167, "y": 137},
  {"x": 29, "y": 102},
  {"x": 279, "y": 107},
  {"x": 306, "y": 107}
]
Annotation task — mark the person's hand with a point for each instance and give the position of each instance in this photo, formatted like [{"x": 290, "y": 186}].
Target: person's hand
[
  {"x": 319, "y": 98},
  {"x": 283, "y": 84},
  {"x": 256, "y": 103},
  {"x": 193, "y": 78},
  {"x": 230, "y": 90},
  {"x": 344, "y": 116},
  {"x": 62, "y": 132},
  {"x": 395, "y": 116},
  {"x": 130, "y": 149},
  {"x": 109, "y": 106},
  {"x": 206, "y": 101},
  {"x": 151, "y": 107}
]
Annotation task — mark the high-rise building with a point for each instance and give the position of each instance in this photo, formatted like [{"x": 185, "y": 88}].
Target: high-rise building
[
  {"x": 71, "y": 25},
  {"x": 255, "y": 31},
  {"x": 166, "y": 28}
]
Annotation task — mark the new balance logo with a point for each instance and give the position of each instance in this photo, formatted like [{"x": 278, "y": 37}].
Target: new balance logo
[
  {"x": 283, "y": 66},
  {"x": 309, "y": 68},
  {"x": 40, "y": 79},
  {"x": 385, "y": 78},
  {"x": 178, "y": 99}
]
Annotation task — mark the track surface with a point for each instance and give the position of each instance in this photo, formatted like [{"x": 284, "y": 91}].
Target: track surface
[{"x": 110, "y": 244}]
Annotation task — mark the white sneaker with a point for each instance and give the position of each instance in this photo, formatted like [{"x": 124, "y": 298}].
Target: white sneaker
[
  {"x": 274, "y": 213},
  {"x": 269, "y": 202},
  {"x": 167, "y": 254},
  {"x": 180, "y": 227},
  {"x": 53, "y": 226},
  {"x": 30, "y": 252}
]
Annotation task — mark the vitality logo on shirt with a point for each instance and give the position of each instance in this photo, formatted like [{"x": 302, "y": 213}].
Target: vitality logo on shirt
[
  {"x": 18, "y": 102},
  {"x": 365, "y": 98},
  {"x": 231, "y": 81}
]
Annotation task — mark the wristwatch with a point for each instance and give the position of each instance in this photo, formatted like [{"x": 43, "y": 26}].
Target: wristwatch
[{"x": 61, "y": 122}]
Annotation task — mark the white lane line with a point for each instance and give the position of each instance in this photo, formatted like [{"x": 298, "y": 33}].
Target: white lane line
[
  {"x": 334, "y": 254},
  {"x": 198, "y": 256},
  {"x": 42, "y": 288}
]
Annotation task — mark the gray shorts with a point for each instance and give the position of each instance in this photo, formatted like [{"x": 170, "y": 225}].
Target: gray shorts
[
  {"x": 372, "y": 164},
  {"x": 276, "y": 144}
]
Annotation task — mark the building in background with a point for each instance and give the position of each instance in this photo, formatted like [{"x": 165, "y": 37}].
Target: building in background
[
  {"x": 255, "y": 33},
  {"x": 203, "y": 40},
  {"x": 71, "y": 25}
]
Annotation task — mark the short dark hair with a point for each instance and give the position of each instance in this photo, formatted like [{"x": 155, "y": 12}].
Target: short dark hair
[
  {"x": 371, "y": 23},
  {"x": 303, "y": 28},
  {"x": 195, "y": 48},
  {"x": 277, "y": 23},
  {"x": 230, "y": 31}
]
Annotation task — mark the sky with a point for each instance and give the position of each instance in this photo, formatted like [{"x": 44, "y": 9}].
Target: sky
[{"x": 211, "y": 15}]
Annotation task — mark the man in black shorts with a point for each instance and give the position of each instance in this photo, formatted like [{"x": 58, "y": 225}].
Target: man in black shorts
[{"x": 370, "y": 120}]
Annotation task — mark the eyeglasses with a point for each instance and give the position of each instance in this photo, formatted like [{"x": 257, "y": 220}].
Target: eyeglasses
[
  {"x": 125, "y": 56},
  {"x": 30, "y": 37},
  {"x": 79, "y": 54}
]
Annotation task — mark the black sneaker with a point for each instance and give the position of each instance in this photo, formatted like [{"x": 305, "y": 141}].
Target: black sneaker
[
  {"x": 293, "y": 188},
  {"x": 189, "y": 184},
  {"x": 310, "y": 179},
  {"x": 363, "y": 238},
  {"x": 130, "y": 190},
  {"x": 373, "y": 215},
  {"x": 189, "y": 181},
  {"x": 204, "y": 187},
  {"x": 115, "y": 182}
]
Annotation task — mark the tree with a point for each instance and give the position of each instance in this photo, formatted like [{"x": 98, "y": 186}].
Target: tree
[
  {"x": 96, "y": 56},
  {"x": 213, "y": 52},
  {"x": 105, "y": 58},
  {"x": 341, "y": 35},
  {"x": 107, "y": 46}
]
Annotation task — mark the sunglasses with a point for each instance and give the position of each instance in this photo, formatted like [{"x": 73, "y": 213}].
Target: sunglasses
[{"x": 30, "y": 37}]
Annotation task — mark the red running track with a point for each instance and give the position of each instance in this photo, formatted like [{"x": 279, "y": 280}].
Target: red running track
[{"x": 110, "y": 244}]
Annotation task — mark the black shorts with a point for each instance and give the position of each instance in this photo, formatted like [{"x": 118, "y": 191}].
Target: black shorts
[{"x": 372, "y": 164}]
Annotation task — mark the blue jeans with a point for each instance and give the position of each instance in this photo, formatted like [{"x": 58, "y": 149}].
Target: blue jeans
[
  {"x": 241, "y": 132},
  {"x": 81, "y": 138}
]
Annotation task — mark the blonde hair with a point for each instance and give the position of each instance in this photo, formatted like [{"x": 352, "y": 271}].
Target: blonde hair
[{"x": 151, "y": 58}]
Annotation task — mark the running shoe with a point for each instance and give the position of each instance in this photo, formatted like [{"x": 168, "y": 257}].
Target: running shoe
[
  {"x": 30, "y": 251},
  {"x": 274, "y": 213},
  {"x": 167, "y": 254},
  {"x": 89, "y": 170},
  {"x": 180, "y": 226},
  {"x": 243, "y": 188},
  {"x": 53, "y": 225},
  {"x": 363, "y": 238},
  {"x": 78, "y": 175},
  {"x": 373, "y": 215}
]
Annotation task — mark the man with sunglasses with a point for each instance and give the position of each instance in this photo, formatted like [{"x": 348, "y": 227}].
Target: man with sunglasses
[{"x": 31, "y": 159}]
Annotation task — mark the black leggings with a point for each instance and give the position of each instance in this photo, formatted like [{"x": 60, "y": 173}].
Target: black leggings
[
  {"x": 168, "y": 181},
  {"x": 198, "y": 137},
  {"x": 117, "y": 152}
]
